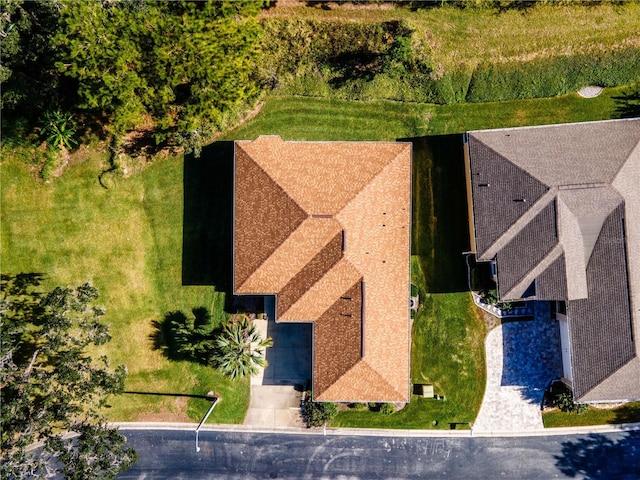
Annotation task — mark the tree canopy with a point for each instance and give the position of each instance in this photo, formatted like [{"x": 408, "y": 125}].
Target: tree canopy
[
  {"x": 51, "y": 387},
  {"x": 183, "y": 65}
]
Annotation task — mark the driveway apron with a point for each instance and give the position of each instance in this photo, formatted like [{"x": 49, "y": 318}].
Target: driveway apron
[
  {"x": 522, "y": 358},
  {"x": 276, "y": 392}
]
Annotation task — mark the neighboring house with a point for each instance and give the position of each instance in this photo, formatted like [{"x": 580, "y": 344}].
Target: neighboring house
[
  {"x": 557, "y": 209},
  {"x": 326, "y": 228}
]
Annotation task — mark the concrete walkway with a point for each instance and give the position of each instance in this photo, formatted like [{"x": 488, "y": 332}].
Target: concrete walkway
[
  {"x": 276, "y": 392},
  {"x": 522, "y": 358}
]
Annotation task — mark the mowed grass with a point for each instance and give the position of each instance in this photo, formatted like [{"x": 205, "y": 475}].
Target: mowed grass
[
  {"x": 128, "y": 241},
  {"x": 159, "y": 241},
  {"x": 629, "y": 413},
  {"x": 303, "y": 118},
  {"x": 458, "y": 37}
]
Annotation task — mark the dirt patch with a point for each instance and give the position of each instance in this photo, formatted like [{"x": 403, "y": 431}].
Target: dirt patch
[
  {"x": 164, "y": 417},
  {"x": 490, "y": 321},
  {"x": 334, "y": 5},
  {"x": 178, "y": 413}
]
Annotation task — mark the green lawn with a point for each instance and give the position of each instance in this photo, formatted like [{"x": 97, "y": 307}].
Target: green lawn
[
  {"x": 304, "y": 118},
  {"x": 629, "y": 413},
  {"x": 127, "y": 240},
  {"x": 159, "y": 241}
]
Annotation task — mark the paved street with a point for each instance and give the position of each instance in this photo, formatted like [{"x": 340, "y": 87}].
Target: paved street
[{"x": 234, "y": 455}]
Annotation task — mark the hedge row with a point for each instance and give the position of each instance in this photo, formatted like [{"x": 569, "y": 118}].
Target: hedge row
[{"x": 547, "y": 77}]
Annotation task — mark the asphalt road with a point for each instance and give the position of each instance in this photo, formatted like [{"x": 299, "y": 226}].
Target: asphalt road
[{"x": 171, "y": 454}]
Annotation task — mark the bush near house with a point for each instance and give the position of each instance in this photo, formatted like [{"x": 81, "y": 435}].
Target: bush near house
[{"x": 316, "y": 414}]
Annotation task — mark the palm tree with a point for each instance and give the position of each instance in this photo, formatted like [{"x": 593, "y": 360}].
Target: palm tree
[{"x": 240, "y": 349}]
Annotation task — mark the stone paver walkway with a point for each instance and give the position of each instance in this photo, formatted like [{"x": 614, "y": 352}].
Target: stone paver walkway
[{"x": 522, "y": 358}]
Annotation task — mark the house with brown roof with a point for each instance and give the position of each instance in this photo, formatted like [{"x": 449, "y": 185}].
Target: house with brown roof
[
  {"x": 556, "y": 208},
  {"x": 325, "y": 227}
]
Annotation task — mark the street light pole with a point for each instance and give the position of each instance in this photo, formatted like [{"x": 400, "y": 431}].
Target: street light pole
[{"x": 215, "y": 402}]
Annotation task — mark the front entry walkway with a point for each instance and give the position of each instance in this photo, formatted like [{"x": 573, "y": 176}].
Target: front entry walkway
[
  {"x": 276, "y": 392},
  {"x": 522, "y": 358}
]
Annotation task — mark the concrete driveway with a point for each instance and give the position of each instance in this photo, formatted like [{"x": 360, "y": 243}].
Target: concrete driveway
[
  {"x": 522, "y": 358},
  {"x": 276, "y": 392}
]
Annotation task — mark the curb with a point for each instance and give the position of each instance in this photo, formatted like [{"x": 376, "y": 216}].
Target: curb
[{"x": 374, "y": 432}]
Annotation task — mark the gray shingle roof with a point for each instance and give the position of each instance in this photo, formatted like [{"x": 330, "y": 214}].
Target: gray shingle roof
[
  {"x": 551, "y": 284},
  {"x": 591, "y": 173},
  {"x": 566, "y": 154},
  {"x": 521, "y": 255},
  {"x": 600, "y": 325},
  {"x": 497, "y": 187}
]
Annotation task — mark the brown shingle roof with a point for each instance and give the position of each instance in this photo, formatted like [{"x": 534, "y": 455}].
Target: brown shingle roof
[
  {"x": 261, "y": 202},
  {"x": 353, "y": 234}
]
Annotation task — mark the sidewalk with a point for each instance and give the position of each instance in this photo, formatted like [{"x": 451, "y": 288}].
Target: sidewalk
[{"x": 374, "y": 432}]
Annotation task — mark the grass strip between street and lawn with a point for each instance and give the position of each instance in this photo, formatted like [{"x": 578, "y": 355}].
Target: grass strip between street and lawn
[
  {"x": 157, "y": 241},
  {"x": 628, "y": 413}
]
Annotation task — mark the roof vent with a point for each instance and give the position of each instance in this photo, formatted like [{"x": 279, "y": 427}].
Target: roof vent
[
  {"x": 484, "y": 184},
  {"x": 520, "y": 200}
]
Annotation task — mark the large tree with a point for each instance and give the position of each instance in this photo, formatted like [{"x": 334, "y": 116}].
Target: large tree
[
  {"x": 51, "y": 388},
  {"x": 184, "y": 65}
]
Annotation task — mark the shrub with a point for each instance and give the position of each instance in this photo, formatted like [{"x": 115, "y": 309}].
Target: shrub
[
  {"x": 564, "y": 401},
  {"x": 318, "y": 413},
  {"x": 387, "y": 408},
  {"x": 343, "y": 59},
  {"x": 547, "y": 77}
]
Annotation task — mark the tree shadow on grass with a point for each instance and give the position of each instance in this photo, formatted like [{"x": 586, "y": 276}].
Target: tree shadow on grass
[
  {"x": 440, "y": 231},
  {"x": 629, "y": 413},
  {"x": 207, "y": 235},
  {"x": 628, "y": 103},
  {"x": 600, "y": 457}
]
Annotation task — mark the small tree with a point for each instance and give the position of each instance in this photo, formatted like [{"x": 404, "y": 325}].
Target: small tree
[
  {"x": 387, "y": 408},
  {"x": 240, "y": 349}
]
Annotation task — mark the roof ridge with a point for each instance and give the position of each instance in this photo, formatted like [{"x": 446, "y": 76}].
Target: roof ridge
[
  {"x": 373, "y": 371},
  {"x": 334, "y": 266},
  {"x": 603, "y": 383},
  {"x": 371, "y": 180},
  {"x": 257, "y": 164},
  {"x": 519, "y": 288},
  {"x": 622, "y": 165},
  {"x": 520, "y": 223},
  {"x": 501, "y": 155},
  {"x": 319, "y": 252},
  {"x": 384, "y": 380}
]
